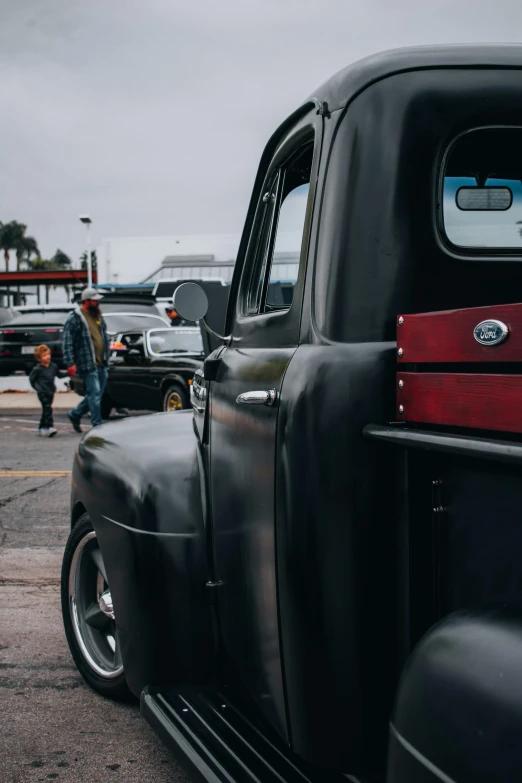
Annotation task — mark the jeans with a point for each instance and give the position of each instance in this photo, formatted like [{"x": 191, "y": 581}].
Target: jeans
[
  {"x": 46, "y": 401},
  {"x": 94, "y": 383}
]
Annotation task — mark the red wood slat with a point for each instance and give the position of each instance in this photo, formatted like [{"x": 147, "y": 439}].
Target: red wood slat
[
  {"x": 489, "y": 402},
  {"x": 447, "y": 336}
]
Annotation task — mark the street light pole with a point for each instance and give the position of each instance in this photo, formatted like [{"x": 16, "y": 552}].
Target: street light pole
[
  {"x": 86, "y": 220},
  {"x": 89, "y": 257}
]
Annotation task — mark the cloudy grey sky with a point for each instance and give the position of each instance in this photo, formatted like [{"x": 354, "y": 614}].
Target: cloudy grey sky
[{"x": 152, "y": 115}]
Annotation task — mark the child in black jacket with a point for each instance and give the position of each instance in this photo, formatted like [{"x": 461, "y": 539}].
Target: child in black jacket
[{"x": 42, "y": 380}]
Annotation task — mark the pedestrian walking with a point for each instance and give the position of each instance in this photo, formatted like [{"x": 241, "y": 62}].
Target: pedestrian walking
[
  {"x": 174, "y": 317},
  {"x": 86, "y": 352},
  {"x": 42, "y": 380}
]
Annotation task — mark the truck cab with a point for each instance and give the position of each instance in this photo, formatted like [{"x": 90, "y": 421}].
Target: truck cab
[{"x": 314, "y": 574}]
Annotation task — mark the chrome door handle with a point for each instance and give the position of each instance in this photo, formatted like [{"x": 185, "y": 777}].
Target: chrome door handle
[{"x": 257, "y": 397}]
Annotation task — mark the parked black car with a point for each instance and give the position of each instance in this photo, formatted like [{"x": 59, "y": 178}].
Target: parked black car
[
  {"x": 151, "y": 370},
  {"x": 20, "y": 336},
  {"x": 154, "y": 370}
]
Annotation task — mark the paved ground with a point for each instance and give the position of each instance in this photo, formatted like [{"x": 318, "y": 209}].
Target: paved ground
[
  {"x": 20, "y": 382},
  {"x": 29, "y": 399},
  {"x": 52, "y": 726}
]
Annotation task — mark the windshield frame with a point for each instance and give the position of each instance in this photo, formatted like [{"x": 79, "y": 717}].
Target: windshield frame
[{"x": 178, "y": 329}]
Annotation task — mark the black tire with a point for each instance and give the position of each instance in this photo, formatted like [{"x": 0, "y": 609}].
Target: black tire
[
  {"x": 90, "y": 630},
  {"x": 175, "y": 397},
  {"x": 106, "y": 406}
]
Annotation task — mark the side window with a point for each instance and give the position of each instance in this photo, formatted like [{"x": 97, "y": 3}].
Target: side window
[
  {"x": 281, "y": 233},
  {"x": 482, "y": 190},
  {"x": 269, "y": 199},
  {"x": 133, "y": 341}
]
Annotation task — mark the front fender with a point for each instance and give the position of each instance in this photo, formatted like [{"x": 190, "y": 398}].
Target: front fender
[
  {"x": 173, "y": 377},
  {"x": 142, "y": 482}
]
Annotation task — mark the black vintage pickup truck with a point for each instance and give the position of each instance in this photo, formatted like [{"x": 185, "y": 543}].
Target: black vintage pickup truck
[{"x": 315, "y": 574}]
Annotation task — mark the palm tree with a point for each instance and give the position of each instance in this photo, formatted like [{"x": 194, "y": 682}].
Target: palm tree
[
  {"x": 61, "y": 259},
  {"x": 94, "y": 260},
  {"x": 42, "y": 263},
  {"x": 11, "y": 236},
  {"x": 26, "y": 247}
]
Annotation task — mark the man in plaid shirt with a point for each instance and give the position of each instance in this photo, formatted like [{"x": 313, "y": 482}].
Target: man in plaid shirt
[{"x": 86, "y": 352}]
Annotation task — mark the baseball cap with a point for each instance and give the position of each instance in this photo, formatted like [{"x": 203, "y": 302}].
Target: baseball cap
[
  {"x": 91, "y": 293},
  {"x": 169, "y": 308}
]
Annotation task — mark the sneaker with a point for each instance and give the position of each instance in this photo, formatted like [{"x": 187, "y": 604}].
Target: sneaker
[
  {"x": 43, "y": 432},
  {"x": 75, "y": 422},
  {"x": 51, "y": 432}
]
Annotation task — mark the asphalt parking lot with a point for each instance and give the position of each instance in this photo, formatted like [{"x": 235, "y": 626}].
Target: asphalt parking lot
[{"x": 52, "y": 726}]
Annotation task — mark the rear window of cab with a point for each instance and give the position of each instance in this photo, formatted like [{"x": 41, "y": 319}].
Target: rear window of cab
[{"x": 482, "y": 190}]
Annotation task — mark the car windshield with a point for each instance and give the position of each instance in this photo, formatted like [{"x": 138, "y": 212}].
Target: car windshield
[
  {"x": 124, "y": 322},
  {"x": 176, "y": 341}
]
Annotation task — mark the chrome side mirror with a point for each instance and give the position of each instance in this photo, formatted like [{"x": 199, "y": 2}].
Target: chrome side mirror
[{"x": 191, "y": 302}]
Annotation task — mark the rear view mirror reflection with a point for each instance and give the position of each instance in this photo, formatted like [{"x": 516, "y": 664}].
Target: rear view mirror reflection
[{"x": 484, "y": 199}]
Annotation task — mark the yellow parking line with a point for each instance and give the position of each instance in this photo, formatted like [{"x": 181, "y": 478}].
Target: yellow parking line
[{"x": 35, "y": 473}]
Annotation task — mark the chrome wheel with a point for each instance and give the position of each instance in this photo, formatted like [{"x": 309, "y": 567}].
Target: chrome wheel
[{"x": 91, "y": 610}]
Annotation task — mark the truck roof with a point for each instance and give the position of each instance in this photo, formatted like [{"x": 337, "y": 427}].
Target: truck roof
[{"x": 341, "y": 88}]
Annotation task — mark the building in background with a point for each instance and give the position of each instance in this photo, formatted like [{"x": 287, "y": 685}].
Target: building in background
[
  {"x": 134, "y": 259},
  {"x": 284, "y": 268},
  {"x": 149, "y": 259}
]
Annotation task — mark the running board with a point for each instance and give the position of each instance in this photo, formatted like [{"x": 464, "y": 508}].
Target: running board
[{"x": 217, "y": 745}]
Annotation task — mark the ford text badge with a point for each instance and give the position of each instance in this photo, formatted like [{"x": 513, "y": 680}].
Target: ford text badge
[{"x": 490, "y": 332}]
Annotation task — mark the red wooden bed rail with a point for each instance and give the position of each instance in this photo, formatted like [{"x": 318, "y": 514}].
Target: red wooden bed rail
[
  {"x": 447, "y": 336},
  {"x": 481, "y": 401}
]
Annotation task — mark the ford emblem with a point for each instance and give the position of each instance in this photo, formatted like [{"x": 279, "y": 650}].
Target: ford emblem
[{"x": 490, "y": 332}]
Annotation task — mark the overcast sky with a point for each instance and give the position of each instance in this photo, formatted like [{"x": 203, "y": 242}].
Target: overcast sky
[{"x": 151, "y": 115}]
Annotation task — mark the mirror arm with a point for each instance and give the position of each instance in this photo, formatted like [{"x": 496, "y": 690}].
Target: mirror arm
[{"x": 225, "y": 340}]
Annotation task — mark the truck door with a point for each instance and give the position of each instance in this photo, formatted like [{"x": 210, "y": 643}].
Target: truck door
[{"x": 244, "y": 414}]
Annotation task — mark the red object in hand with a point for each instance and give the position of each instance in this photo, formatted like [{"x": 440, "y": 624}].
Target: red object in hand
[{"x": 71, "y": 371}]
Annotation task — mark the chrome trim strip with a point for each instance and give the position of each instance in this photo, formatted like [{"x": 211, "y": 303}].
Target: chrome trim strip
[
  {"x": 420, "y": 758},
  {"x": 149, "y": 532}
]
